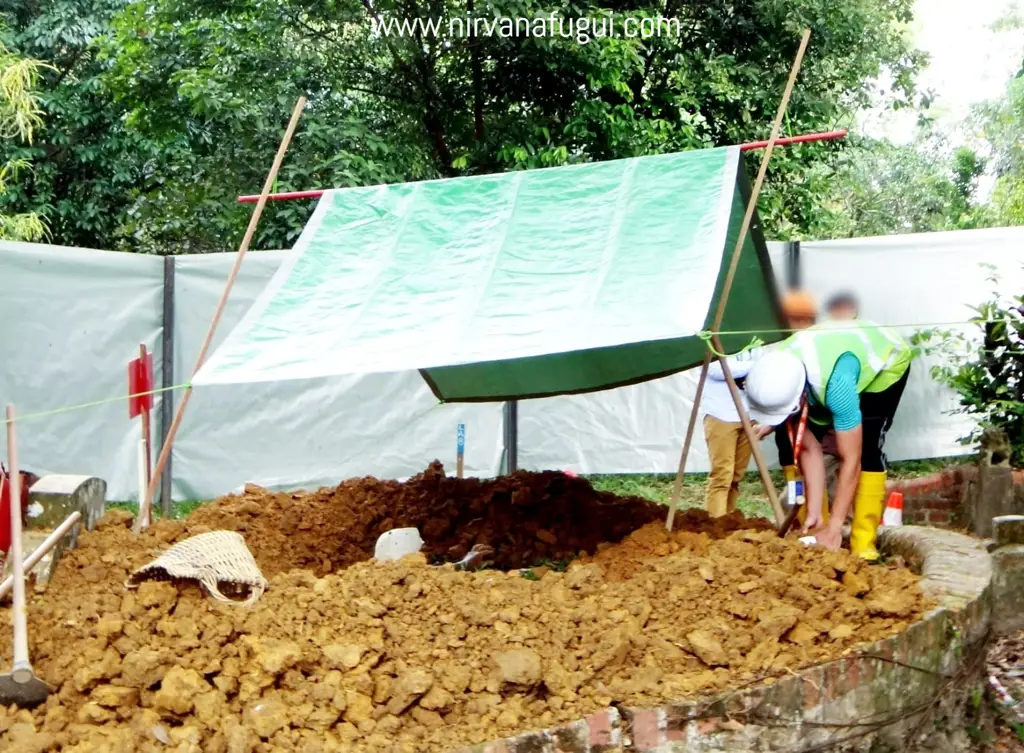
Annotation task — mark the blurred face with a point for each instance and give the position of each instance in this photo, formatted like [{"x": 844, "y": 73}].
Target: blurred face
[
  {"x": 843, "y": 311},
  {"x": 800, "y": 322}
]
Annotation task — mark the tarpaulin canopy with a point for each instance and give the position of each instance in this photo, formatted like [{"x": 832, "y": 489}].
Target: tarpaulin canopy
[{"x": 516, "y": 285}]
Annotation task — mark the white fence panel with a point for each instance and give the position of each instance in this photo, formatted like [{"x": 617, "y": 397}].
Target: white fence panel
[
  {"x": 912, "y": 282},
  {"x": 70, "y": 320},
  {"x": 310, "y": 432}
]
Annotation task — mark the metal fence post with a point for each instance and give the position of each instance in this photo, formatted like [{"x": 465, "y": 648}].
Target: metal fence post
[
  {"x": 793, "y": 272},
  {"x": 167, "y": 380},
  {"x": 510, "y": 415}
]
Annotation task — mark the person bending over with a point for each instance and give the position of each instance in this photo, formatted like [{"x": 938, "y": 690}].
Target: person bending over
[{"x": 852, "y": 379}]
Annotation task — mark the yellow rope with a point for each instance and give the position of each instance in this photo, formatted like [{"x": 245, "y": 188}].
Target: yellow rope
[
  {"x": 705, "y": 336},
  {"x": 755, "y": 342},
  {"x": 93, "y": 404}
]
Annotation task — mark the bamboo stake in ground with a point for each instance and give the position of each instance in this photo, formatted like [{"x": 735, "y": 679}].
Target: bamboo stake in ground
[
  {"x": 143, "y": 518},
  {"x": 727, "y": 288},
  {"x": 146, "y": 430},
  {"x": 677, "y": 487},
  {"x": 755, "y": 445}
]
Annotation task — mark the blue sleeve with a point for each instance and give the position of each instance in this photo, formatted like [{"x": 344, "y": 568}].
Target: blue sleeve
[{"x": 842, "y": 398}]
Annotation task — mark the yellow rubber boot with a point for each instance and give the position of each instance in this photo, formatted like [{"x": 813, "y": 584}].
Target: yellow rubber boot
[{"x": 867, "y": 514}]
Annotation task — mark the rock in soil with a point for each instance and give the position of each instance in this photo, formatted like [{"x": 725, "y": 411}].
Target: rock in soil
[{"x": 345, "y": 654}]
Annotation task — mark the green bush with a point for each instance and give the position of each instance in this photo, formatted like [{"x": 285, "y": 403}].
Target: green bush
[{"x": 986, "y": 368}]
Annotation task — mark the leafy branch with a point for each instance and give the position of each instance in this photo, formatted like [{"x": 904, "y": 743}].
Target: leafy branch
[{"x": 986, "y": 370}]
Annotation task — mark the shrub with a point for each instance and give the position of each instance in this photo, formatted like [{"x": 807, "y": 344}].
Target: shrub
[{"x": 986, "y": 368}]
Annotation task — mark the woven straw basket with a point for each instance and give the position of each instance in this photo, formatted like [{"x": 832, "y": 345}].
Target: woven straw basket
[{"x": 213, "y": 559}]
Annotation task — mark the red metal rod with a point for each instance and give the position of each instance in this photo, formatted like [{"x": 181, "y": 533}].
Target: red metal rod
[
  {"x": 807, "y": 137},
  {"x": 827, "y": 136}
]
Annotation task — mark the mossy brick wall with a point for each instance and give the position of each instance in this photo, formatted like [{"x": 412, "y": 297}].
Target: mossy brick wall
[
  {"x": 877, "y": 696},
  {"x": 941, "y": 498}
]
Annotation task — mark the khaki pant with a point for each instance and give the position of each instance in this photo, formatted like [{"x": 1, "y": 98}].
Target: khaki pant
[{"x": 730, "y": 452}]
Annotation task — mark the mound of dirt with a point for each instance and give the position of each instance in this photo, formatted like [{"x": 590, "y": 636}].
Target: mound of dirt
[
  {"x": 526, "y": 517},
  {"x": 409, "y": 657}
]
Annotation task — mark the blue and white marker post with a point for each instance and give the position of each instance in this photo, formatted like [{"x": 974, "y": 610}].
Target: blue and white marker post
[{"x": 460, "y": 451}]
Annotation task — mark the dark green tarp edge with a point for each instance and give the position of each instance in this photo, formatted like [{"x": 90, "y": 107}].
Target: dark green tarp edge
[{"x": 753, "y": 305}]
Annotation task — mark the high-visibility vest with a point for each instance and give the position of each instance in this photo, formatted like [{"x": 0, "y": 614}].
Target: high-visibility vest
[{"x": 884, "y": 356}]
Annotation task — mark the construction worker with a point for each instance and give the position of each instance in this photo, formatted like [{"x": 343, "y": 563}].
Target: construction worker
[
  {"x": 799, "y": 309},
  {"x": 729, "y": 449},
  {"x": 851, "y": 375},
  {"x": 842, "y": 307}
]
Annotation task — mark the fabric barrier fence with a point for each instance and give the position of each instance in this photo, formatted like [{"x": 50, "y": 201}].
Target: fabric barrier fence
[{"x": 70, "y": 319}]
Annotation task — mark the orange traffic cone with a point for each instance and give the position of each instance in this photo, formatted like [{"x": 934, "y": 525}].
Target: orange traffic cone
[{"x": 893, "y": 515}]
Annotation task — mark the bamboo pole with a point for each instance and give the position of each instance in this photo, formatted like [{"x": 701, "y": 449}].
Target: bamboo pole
[
  {"x": 677, "y": 487},
  {"x": 143, "y": 519},
  {"x": 755, "y": 445},
  {"x": 22, "y": 671},
  {"x": 146, "y": 425},
  {"x": 40, "y": 551},
  {"x": 724, "y": 299}
]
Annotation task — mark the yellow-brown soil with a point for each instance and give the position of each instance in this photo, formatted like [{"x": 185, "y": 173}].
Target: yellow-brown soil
[{"x": 411, "y": 657}]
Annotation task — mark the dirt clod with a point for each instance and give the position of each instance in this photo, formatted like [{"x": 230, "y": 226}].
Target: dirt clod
[{"x": 518, "y": 667}]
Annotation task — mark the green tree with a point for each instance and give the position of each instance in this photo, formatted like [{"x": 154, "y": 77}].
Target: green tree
[
  {"x": 20, "y": 115},
  {"x": 87, "y": 161},
  {"x": 196, "y": 93},
  {"x": 877, "y": 187},
  {"x": 1002, "y": 124}
]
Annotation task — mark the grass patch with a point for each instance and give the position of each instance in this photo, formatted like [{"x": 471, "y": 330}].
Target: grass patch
[
  {"x": 753, "y": 501},
  {"x": 179, "y": 510}
]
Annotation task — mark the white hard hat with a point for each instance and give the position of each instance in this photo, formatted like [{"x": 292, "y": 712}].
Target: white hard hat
[{"x": 774, "y": 386}]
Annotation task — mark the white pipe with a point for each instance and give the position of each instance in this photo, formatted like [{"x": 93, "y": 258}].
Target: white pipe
[
  {"x": 41, "y": 551},
  {"x": 22, "y": 668},
  {"x": 143, "y": 480}
]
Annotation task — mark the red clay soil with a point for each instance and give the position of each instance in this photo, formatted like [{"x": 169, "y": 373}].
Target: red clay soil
[{"x": 526, "y": 517}]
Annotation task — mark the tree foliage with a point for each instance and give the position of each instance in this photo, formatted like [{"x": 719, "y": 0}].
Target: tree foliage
[
  {"x": 20, "y": 115},
  {"x": 877, "y": 187},
  {"x": 1002, "y": 123},
  {"x": 162, "y": 111}
]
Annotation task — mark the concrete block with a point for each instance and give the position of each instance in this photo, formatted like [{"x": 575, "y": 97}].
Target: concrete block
[
  {"x": 1008, "y": 589},
  {"x": 1007, "y": 530},
  {"x": 53, "y": 498}
]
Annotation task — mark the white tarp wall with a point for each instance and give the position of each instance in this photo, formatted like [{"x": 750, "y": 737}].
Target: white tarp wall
[
  {"x": 305, "y": 432},
  {"x": 71, "y": 319}
]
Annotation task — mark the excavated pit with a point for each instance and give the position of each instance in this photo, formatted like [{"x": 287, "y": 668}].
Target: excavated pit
[
  {"x": 525, "y": 517},
  {"x": 345, "y": 654}
]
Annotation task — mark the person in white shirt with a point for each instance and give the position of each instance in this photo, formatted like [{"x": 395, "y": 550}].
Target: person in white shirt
[{"x": 728, "y": 447}]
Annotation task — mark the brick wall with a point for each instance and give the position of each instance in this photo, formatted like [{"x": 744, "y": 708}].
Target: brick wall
[
  {"x": 940, "y": 499},
  {"x": 834, "y": 706}
]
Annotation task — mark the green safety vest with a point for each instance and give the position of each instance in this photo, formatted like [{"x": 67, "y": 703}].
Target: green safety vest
[{"x": 884, "y": 356}]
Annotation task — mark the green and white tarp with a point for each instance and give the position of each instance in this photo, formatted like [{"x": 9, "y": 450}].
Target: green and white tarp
[{"x": 522, "y": 284}]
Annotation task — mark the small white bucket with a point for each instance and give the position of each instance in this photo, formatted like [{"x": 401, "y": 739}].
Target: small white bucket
[{"x": 397, "y": 543}]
